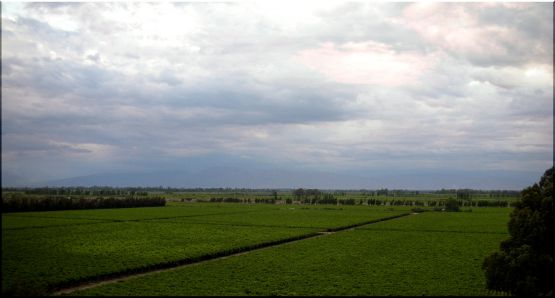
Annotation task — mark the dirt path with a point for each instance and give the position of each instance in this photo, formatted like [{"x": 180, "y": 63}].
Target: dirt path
[{"x": 184, "y": 263}]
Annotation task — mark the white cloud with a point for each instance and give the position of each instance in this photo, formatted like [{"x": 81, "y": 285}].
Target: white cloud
[
  {"x": 334, "y": 86},
  {"x": 367, "y": 63}
]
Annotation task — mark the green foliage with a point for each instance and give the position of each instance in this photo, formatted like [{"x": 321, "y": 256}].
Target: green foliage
[
  {"x": 310, "y": 217},
  {"x": 452, "y": 205},
  {"x": 375, "y": 202},
  {"x": 525, "y": 266},
  {"x": 463, "y": 194},
  {"x": 17, "y": 221},
  {"x": 425, "y": 254},
  {"x": 347, "y": 202},
  {"x": 45, "y": 258},
  {"x": 466, "y": 197},
  {"x": 491, "y": 203},
  {"x": 480, "y": 221},
  {"x": 42, "y": 250}
]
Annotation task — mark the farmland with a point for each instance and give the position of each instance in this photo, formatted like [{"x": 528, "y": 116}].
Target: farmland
[
  {"x": 45, "y": 250},
  {"x": 434, "y": 253},
  {"x": 323, "y": 243}
]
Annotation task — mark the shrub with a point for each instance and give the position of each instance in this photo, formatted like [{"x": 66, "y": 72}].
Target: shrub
[
  {"x": 452, "y": 205},
  {"x": 417, "y": 210},
  {"x": 347, "y": 202}
]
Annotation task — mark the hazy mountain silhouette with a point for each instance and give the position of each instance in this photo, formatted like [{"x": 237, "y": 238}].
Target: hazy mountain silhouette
[
  {"x": 245, "y": 177},
  {"x": 234, "y": 177},
  {"x": 13, "y": 180}
]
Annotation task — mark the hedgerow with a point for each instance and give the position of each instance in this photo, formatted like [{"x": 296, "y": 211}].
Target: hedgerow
[{"x": 51, "y": 203}]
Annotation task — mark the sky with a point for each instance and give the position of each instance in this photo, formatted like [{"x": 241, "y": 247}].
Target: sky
[{"x": 355, "y": 88}]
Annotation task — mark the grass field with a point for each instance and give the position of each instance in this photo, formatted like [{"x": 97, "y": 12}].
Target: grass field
[
  {"x": 433, "y": 253},
  {"x": 44, "y": 250}
]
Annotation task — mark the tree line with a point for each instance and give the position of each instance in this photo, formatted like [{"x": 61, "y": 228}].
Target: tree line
[
  {"x": 108, "y": 190},
  {"x": 63, "y": 203},
  {"x": 317, "y": 197}
]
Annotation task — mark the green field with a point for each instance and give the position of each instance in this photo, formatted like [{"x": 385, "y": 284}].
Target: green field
[
  {"x": 23, "y": 221},
  {"x": 433, "y": 253},
  {"x": 320, "y": 217},
  {"x": 44, "y": 250}
]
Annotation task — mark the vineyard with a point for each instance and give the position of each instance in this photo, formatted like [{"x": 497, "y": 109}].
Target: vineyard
[
  {"x": 51, "y": 250},
  {"x": 424, "y": 254}
]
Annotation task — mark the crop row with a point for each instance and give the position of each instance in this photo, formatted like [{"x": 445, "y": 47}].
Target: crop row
[
  {"x": 36, "y": 260},
  {"x": 145, "y": 213},
  {"x": 426, "y": 254},
  {"x": 125, "y": 240},
  {"x": 438, "y": 202}
]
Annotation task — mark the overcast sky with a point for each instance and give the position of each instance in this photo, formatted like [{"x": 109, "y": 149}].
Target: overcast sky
[{"x": 336, "y": 87}]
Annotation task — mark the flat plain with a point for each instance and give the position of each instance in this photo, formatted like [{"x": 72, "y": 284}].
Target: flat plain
[
  {"x": 43, "y": 251},
  {"x": 432, "y": 253}
]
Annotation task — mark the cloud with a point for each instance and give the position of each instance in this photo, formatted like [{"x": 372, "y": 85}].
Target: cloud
[
  {"x": 366, "y": 63},
  {"x": 484, "y": 34},
  {"x": 346, "y": 87}
]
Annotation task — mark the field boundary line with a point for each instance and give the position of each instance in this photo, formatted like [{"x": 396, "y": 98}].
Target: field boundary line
[
  {"x": 436, "y": 231},
  {"x": 91, "y": 282},
  {"x": 242, "y": 225},
  {"x": 367, "y": 222},
  {"x": 291, "y": 227}
]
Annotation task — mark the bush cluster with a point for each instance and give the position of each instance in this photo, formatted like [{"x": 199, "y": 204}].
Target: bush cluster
[{"x": 226, "y": 200}]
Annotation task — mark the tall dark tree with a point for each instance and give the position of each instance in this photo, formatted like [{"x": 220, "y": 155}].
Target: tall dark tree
[
  {"x": 525, "y": 266},
  {"x": 274, "y": 194}
]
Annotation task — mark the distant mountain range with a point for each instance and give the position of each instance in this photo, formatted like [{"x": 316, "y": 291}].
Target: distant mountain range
[
  {"x": 232, "y": 177},
  {"x": 241, "y": 177}
]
